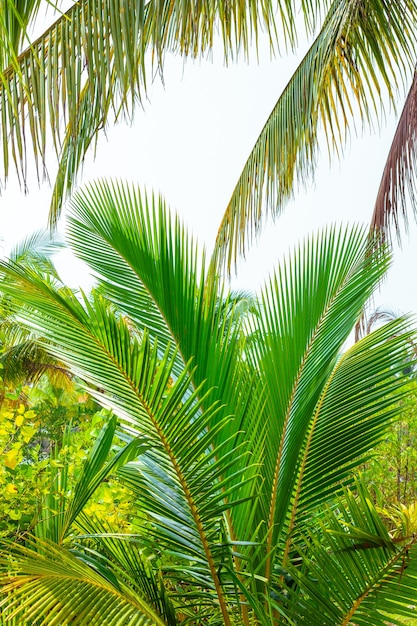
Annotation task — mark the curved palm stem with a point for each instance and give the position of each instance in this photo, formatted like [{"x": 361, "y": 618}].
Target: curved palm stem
[{"x": 397, "y": 190}]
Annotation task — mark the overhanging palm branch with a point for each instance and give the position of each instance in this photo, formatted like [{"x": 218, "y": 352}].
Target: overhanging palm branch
[
  {"x": 397, "y": 190},
  {"x": 357, "y": 54},
  {"x": 88, "y": 68}
]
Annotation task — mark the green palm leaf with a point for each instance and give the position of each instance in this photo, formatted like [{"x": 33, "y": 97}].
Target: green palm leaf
[
  {"x": 151, "y": 270},
  {"x": 38, "y": 580},
  {"x": 309, "y": 309},
  {"x": 88, "y": 68},
  {"x": 357, "y": 55},
  {"x": 247, "y": 440},
  {"x": 354, "y": 571},
  {"x": 135, "y": 381}
]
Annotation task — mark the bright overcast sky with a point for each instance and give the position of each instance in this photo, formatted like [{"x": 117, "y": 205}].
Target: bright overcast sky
[{"x": 190, "y": 143}]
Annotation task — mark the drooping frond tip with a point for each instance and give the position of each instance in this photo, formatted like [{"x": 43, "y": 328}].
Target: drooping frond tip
[
  {"x": 350, "y": 63},
  {"x": 397, "y": 190}
]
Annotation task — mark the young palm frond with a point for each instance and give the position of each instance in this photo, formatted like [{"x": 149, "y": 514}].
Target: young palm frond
[
  {"x": 247, "y": 442},
  {"x": 324, "y": 411},
  {"x": 150, "y": 268}
]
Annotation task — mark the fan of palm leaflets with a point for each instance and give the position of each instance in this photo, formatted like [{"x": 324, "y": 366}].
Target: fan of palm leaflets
[
  {"x": 90, "y": 66},
  {"x": 350, "y": 63},
  {"x": 253, "y": 427},
  {"x": 22, "y": 360}
]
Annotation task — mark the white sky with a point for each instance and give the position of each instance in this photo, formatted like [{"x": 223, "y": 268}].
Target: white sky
[{"x": 191, "y": 142}]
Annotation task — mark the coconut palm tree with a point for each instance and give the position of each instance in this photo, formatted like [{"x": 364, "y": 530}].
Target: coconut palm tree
[
  {"x": 90, "y": 67},
  {"x": 240, "y": 455}
]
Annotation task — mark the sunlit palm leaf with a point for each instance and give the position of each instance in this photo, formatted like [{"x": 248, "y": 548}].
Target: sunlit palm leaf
[
  {"x": 88, "y": 68},
  {"x": 309, "y": 310},
  {"x": 150, "y": 268},
  {"x": 354, "y": 571},
  {"x": 136, "y": 382},
  {"x": 357, "y": 54},
  {"x": 38, "y": 580},
  {"x": 351, "y": 416}
]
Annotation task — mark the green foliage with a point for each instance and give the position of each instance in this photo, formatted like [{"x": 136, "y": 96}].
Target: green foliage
[
  {"x": 392, "y": 471},
  {"x": 42, "y": 431},
  {"x": 91, "y": 66},
  {"x": 239, "y": 436}
]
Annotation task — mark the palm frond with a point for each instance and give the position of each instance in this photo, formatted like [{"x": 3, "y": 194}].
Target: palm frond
[
  {"x": 375, "y": 318},
  {"x": 88, "y": 68},
  {"x": 397, "y": 189},
  {"x": 39, "y": 246},
  {"x": 135, "y": 381},
  {"x": 356, "y": 56},
  {"x": 308, "y": 311},
  {"x": 354, "y": 571},
  {"x": 151, "y": 270},
  {"x": 26, "y": 362},
  {"x": 38, "y": 579},
  {"x": 369, "y": 384}
]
